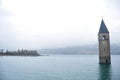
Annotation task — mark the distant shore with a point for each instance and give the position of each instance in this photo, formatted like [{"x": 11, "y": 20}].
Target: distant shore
[{"x": 19, "y": 53}]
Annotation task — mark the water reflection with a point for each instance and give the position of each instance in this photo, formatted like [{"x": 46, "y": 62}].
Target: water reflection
[
  {"x": 1, "y": 77},
  {"x": 105, "y": 72}
]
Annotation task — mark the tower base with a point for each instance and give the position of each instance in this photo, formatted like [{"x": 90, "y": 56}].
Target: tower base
[{"x": 104, "y": 60}]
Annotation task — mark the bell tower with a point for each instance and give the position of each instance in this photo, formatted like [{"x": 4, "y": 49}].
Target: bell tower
[{"x": 104, "y": 44}]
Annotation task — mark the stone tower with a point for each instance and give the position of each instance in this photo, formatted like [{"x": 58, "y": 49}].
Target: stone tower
[{"x": 104, "y": 44}]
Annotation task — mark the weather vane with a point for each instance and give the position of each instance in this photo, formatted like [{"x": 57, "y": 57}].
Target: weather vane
[{"x": 102, "y": 17}]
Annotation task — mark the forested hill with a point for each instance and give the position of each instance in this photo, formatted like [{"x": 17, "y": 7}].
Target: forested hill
[{"x": 83, "y": 50}]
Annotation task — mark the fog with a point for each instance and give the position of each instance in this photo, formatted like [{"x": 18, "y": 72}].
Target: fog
[{"x": 38, "y": 24}]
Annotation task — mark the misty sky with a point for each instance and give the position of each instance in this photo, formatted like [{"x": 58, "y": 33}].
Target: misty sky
[{"x": 36, "y": 24}]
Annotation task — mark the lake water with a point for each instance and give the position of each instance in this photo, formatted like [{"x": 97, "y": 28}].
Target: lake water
[{"x": 58, "y": 67}]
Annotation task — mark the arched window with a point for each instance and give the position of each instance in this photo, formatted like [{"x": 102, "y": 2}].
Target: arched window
[
  {"x": 106, "y": 61},
  {"x": 104, "y": 37},
  {"x": 104, "y": 49}
]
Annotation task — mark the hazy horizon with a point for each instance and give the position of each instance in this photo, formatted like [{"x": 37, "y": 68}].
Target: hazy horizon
[{"x": 38, "y": 24}]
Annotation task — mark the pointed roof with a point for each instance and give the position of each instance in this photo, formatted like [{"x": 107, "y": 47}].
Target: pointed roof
[{"x": 103, "y": 28}]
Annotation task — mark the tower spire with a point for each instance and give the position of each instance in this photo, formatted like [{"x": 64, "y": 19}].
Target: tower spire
[{"x": 103, "y": 28}]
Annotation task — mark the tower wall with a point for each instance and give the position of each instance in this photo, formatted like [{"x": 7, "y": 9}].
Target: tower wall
[{"x": 104, "y": 48}]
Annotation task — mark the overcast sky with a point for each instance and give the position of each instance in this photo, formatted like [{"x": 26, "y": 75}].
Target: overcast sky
[{"x": 36, "y": 24}]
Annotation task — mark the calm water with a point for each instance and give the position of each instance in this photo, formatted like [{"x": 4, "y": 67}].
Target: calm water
[{"x": 58, "y": 67}]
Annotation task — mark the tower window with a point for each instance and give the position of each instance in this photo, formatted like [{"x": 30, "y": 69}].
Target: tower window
[
  {"x": 106, "y": 61},
  {"x": 104, "y": 49},
  {"x": 104, "y": 37}
]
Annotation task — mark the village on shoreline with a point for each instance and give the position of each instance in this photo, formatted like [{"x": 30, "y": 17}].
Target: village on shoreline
[{"x": 22, "y": 52}]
